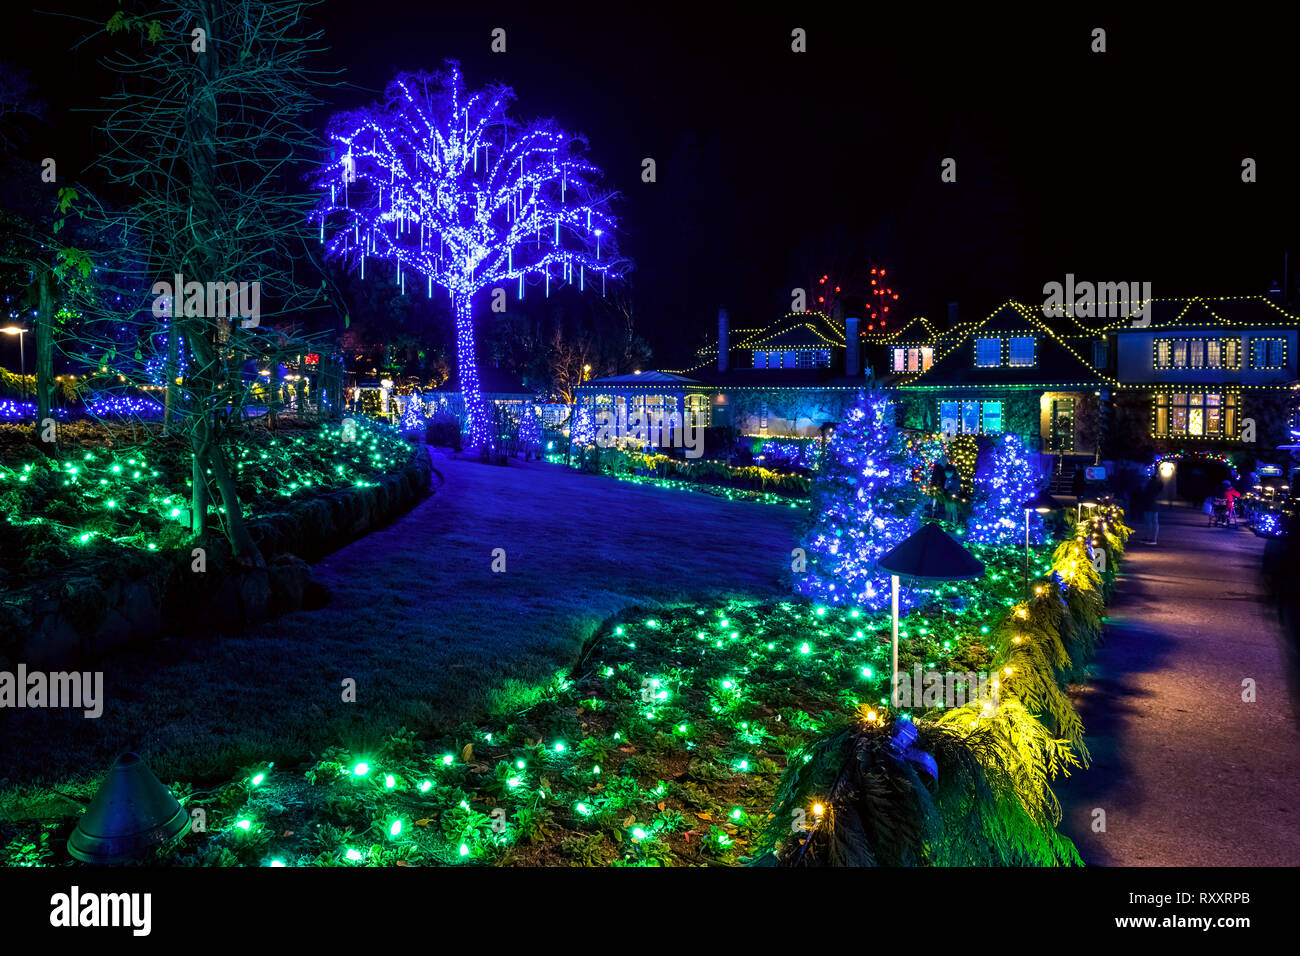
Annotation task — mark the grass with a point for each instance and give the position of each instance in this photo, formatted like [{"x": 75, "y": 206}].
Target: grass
[
  {"x": 663, "y": 746},
  {"x": 418, "y": 619}
]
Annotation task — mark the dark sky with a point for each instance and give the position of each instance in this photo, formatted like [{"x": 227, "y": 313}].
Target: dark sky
[{"x": 1122, "y": 166}]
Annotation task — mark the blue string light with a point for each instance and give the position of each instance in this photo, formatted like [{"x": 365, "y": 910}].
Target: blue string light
[{"x": 439, "y": 180}]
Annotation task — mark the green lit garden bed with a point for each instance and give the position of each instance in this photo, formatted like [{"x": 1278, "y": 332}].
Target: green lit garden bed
[{"x": 665, "y": 745}]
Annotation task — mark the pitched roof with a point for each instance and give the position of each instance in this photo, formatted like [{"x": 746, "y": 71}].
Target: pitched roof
[
  {"x": 1057, "y": 359},
  {"x": 651, "y": 377},
  {"x": 1210, "y": 312}
]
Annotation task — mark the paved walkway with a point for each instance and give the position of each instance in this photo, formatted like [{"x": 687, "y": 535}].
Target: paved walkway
[{"x": 1187, "y": 773}]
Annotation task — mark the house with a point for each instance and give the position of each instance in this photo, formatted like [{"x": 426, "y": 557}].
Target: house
[
  {"x": 788, "y": 379},
  {"x": 1015, "y": 371},
  {"x": 1210, "y": 374},
  {"x": 1217, "y": 375}
]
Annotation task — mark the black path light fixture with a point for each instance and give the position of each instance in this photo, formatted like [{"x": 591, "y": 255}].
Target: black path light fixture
[
  {"x": 928, "y": 555},
  {"x": 1042, "y": 503},
  {"x": 131, "y": 814}
]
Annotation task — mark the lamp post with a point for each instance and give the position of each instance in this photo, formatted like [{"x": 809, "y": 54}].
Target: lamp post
[
  {"x": 22, "y": 354},
  {"x": 1078, "y": 510},
  {"x": 928, "y": 554},
  {"x": 1042, "y": 503},
  {"x": 1167, "y": 470}
]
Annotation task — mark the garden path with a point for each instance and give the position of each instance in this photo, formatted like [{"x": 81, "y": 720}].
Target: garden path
[{"x": 1187, "y": 773}]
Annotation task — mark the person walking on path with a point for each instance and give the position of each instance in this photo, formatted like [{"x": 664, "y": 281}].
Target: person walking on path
[
  {"x": 1150, "y": 502},
  {"x": 1230, "y": 494}
]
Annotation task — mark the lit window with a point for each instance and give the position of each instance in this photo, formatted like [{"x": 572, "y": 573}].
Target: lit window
[
  {"x": 927, "y": 358},
  {"x": 964, "y": 417},
  {"x": 948, "y": 423},
  {"x": 1213, "y": 353},
  {"x": 760, "y": 360},
  {"x": 988, "y": 353},
  {"x": 1022, "y": 350},
  {"x": 698, "y": 410},
  {"x": 992, "y": 418},
  {"x": 1195, "y": 415},
  {"x": 900, "y": 360},
  {"x": 1267, "y": 354}
]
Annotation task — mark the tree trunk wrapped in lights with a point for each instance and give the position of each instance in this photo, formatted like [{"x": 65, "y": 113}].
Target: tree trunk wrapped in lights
[{"x": 440, "y": 183}]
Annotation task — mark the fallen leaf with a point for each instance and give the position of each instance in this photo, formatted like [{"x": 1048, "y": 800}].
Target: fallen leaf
[
  {"x": 631, "y": 819},
  {"x": 424, "y": 823},
  {"x": 468, "y": 753},
  {"x": 400, "y": 863},
  {"x": 660, "y": 804},
  {"x": 704, "y": 816}
]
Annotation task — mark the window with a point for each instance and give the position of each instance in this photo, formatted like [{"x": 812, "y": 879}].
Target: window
[
  {"x": 760, "y": 360},
  {"x": 988, "y": 353},
  {"x": 992, "y": 418},
  {"x": 1193, "y": 414},
  {"x": 1267, "y": 353},
  {"x": 814, "y": 358},
  {"x": 964, "y": 417},
  {"x": 697, "y": 410},
  {"x": 1022, "y": 350},
  {"x": 790, "y": 359},
  {"x": 913, "y": 358},
  {"x": 1197, "y": 353}
]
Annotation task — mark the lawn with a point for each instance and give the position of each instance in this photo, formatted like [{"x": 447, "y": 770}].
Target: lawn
[{"x": 429, "y": 632}]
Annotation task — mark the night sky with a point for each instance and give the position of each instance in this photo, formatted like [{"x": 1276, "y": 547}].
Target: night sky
[{"x": 775, "y": 166}]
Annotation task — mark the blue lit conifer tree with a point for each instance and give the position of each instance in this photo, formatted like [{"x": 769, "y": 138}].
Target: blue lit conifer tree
[
  {"x": 863, "y": 503},
  {"x": 1005, "y": 480}
]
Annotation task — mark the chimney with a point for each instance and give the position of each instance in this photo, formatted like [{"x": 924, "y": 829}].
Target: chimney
[
  {"x": 852, "y": 347},
  {"x": 952, "y": 315},
  {"x": 723, "y": 343}
]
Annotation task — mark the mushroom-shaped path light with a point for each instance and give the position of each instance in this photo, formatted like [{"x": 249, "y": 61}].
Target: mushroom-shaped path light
[{"x": 927, "y": 555}]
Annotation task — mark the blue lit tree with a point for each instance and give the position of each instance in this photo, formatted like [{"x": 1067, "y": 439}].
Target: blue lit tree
[
  {"x": 530, "y": 431},
  {"x": 1004, "y": 481},
  {"x": 863, "y": 503},
  {"x": 582, "y": 429},
  {"x": 413, "y": 415},
  {"x": 440, "y": 182}
]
